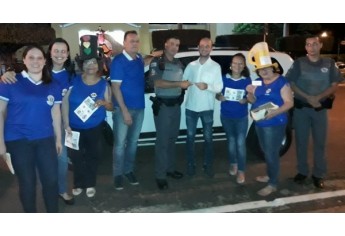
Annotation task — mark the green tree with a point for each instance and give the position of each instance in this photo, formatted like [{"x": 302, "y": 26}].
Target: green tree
[
  {"x": 258, "y": 28},
  {"x": 248, "y": 28}
]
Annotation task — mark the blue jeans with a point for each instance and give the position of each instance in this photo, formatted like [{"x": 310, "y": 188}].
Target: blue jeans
[
  {"x": 29, "y": 156},
  {"x": 236, "y": 131},
  {"x": 126, "y": 141},
  {"x": 207, "y": 123},
  {"x": 63, "y": 167},
  {"x": 270, "y": 139}
]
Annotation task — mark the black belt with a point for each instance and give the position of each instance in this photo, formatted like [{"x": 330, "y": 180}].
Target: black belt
[
  {"x": 169, "y": 101},
  {"x": 325, "y": 104}
]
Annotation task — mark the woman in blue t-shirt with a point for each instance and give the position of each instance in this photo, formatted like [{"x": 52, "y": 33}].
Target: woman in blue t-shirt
[
  {"x": 30, "y": 129},
  {"x": 234, "y": 114},
  {"x": 270, "y": 87},
  {"x": 84, "y": 111},
  {"x": 62, "y": 70},
  {"x": 60, "y": 64}
]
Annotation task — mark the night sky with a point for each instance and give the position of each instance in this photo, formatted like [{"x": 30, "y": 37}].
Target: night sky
[{"x": 337, "y": 29}]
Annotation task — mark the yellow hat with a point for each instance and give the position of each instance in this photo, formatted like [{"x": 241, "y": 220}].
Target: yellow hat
[{"x": 262, "y": 58}]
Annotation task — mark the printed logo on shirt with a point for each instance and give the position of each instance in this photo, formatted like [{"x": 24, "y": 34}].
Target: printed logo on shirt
[
  {"x": 268, "y": 91},
  {"x": 64, "y": 91},
  {"x": 93, "y": 95},
  {"x": 324, "y": 69},
  {"x": 50, "y": 100}
]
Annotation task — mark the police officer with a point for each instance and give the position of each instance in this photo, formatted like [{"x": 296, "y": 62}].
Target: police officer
[{"x": 166, "y": 73}]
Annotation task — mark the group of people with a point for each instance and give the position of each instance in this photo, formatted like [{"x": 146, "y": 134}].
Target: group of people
[
  {"x": 33, "y": 125},
  {"x": 308, "y": 87}
]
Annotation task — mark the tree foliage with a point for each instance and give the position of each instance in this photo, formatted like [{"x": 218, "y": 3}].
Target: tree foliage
[
  {"x": 258, "y": 28},
  {"x": 248, "y": 28}
]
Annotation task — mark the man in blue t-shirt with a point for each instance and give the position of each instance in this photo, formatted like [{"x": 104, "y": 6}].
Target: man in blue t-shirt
[{"x": 128, "y": 87}]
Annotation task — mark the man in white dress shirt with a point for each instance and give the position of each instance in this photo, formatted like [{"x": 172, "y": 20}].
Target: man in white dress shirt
[{"x": 205, "y": 75}]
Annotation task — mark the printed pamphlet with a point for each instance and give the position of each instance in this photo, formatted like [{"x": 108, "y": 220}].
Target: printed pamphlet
[
  {"x": 86, "y": 109},
  {"x": 234, "y": 94},
  {"x": 72, "y": 140},
  {"x": 260, "y": 112},
  {"x": 7, "y": 159}
]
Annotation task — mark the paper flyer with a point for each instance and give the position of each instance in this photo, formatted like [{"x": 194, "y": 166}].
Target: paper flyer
[
  {"x": 234, "y": 94},
  {"x": 86, "y": 109},
  {"x": 8, "y": 161},
  {"x": 72, "y": 140}
]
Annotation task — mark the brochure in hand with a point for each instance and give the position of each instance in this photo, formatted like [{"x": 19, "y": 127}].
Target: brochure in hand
[
  {"x": 260, "y": 112},
  {"x": 7, "y": 159},
  {"x": 72, "y": 140}
]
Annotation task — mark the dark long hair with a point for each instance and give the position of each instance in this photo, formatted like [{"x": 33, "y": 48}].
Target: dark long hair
[
  {"x": 245, "y": 71},
  {"x": 46, "y": 76},
  {"x": 68, "y": 65}
]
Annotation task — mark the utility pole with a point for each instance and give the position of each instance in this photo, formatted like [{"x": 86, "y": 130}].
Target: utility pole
[
  {"x": 286, "y": 29},
  {"x": 265, "y": 31}
]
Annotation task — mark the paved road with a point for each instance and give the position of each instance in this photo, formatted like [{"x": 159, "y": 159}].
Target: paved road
[{"x": 208, "y": 195}]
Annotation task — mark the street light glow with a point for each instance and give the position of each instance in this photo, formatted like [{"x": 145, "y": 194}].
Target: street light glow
[{"x": 324, "y": 34}]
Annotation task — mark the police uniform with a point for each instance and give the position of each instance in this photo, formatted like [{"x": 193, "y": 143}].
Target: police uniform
[
  {"x": 312, "y": 78},
  {"x": 167, "y": 119}
]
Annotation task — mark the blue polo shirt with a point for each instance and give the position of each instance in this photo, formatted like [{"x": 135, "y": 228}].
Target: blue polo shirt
[
  {"x": 234, "y": 109},
  {"x": 130, "y": 73},
  {"x": 29, "y": 107}
]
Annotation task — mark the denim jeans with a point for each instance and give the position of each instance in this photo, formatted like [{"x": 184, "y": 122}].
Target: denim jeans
[
  {"x": 29, "y": 156},
  {"x": 207, "y": 123},
  {"x": 126, "y": 141},
  {"x": 236, "y": 131},
  {"x": 270, "y": 139},
  {"x": 308, "y": 121},
  {"x": 63, "y": 167}
]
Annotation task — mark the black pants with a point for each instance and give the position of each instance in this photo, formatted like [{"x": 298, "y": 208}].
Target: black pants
[
  {"x": 27, "y": 158},
  {"x": 85, "y": 160}
]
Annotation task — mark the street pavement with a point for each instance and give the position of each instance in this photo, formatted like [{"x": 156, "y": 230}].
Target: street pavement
[{"x": 202, "y": 194}]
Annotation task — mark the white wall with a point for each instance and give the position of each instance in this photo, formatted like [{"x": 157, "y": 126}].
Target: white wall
[{"x": 221, "y": 29}]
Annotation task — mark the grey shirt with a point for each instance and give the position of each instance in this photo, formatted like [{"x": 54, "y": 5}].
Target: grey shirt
[
  {"x": 162, "y": 68},
  {"x": 313, "y": 77}
]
